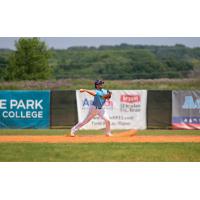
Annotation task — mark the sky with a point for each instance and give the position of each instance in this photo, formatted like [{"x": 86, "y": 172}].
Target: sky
[{"x": 66, "y": 42}]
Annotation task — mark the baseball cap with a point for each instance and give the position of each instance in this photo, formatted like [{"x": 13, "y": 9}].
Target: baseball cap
[{"x": 97, "y": 82}]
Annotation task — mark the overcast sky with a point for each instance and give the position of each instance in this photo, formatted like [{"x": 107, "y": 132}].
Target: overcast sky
[{"x": 65, "y": 42}]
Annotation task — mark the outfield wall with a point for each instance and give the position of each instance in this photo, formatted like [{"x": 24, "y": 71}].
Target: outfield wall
[
  {"x": 63, "y": 109},
  {"x": 128, "y": 109},
  {"x": 159, "y": 109}
]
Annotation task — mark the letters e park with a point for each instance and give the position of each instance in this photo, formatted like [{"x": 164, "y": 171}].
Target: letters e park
[{"x": 13, "y": 108}]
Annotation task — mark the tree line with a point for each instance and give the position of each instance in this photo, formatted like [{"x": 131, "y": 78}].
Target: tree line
[{"x": 33, "y": 60}]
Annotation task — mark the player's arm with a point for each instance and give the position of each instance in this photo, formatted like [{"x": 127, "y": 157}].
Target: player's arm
[{"x": 88, "y": 91}]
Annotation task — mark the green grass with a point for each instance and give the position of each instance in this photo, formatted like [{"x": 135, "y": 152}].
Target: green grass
[
  {"x": 145, "y": 152},
  {"x": 74, "y": 84},
  {"x": 47, "y": 132},
  {"x": 169, "y": 132},
  {"x": 33, "y": 131},
  {"x": 92, "y": 132}
]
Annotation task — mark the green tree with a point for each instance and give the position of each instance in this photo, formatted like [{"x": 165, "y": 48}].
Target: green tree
[
  {"x": 126, "y": 62},
  {"x": 30, "y": 61}
]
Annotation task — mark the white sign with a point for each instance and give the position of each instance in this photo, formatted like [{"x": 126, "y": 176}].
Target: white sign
[{"x": 126, "y": 109}]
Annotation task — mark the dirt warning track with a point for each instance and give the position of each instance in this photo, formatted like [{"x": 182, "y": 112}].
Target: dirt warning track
[{"x": 124, "y": 137}]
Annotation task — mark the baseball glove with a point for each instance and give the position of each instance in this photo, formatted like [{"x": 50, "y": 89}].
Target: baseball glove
[{"x": 108, "y": 95}]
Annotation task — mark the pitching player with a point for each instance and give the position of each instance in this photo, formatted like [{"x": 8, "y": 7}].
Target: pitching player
[{"x": 100, "y": 97}]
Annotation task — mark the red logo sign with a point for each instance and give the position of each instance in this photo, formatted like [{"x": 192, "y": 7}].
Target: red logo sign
[{"x": 130, "y": 98}]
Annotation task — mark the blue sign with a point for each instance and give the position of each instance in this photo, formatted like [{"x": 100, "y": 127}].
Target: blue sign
[
  {"x": 25, "y": 109},
  {"x": 186, "y": 109}
]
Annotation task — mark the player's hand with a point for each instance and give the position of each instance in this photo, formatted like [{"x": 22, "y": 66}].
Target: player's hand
[{"x": 82, "y": 90}]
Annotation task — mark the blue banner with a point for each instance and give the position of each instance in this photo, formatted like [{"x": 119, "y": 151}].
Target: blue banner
[
  {"x": 186, "y": 109},
  {"x": 25, "y": 109}
]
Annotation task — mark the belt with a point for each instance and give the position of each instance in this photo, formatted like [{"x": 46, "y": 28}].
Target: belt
[{"x": 97, "y": 107}]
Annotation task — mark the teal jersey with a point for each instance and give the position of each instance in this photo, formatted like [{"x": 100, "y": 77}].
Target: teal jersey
[{"x": 98, "y": 98}]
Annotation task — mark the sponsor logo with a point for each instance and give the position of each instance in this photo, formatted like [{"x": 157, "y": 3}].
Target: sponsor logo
[
  {"x": 190, "y": 103},
  {"x": 130, "y": 98},
  {"x": 21, "y": 104},
  {"x": 28, "y": 108},
  {"x": 3, "y": 103},
  {"x": 86, "y": 103},
  {"x": 186, "y": 120},
  {"x": 130, "y": 108},
  {"x": 130, "y": 103},
  {"x": 22, "y": 114}
]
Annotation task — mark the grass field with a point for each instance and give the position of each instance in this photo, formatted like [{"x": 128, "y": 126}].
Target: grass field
[
  {"x": 146, "y": 152},
  {"x": 74, "y": 84},
  {"x": 93, "y": 132},
  {"x": 100, "y": 152}
]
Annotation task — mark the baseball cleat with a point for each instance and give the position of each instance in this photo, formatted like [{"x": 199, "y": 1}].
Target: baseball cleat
[
  {"x": 72, "y": 133},
  {"x": 109, "y": 134}
]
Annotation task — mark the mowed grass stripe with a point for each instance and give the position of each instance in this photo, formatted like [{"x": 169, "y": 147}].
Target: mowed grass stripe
[
  {"x": 93, "y": 132},
  {"x": 146, "y": 152}
]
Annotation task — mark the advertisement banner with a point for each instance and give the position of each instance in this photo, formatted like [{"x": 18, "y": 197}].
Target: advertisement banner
[
  {"x": 186, "y": 109},
  {"x": 126, "y": 109},
  {"x": 24, "y": 109}
]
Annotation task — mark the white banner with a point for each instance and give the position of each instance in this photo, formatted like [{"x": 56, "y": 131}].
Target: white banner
[{"x": 126, "y": 109}]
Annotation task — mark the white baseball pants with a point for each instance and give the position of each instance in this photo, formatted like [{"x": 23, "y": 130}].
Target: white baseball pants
[{"x": 93, "y": 111}]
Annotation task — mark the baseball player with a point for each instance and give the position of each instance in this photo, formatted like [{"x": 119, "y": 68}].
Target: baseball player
[{"x": 100, "y": 97}]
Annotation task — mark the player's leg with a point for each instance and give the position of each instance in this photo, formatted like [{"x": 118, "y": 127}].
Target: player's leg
[
  {"x": 104, "y": 115},
  {"x": 92, "y": 112}
]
